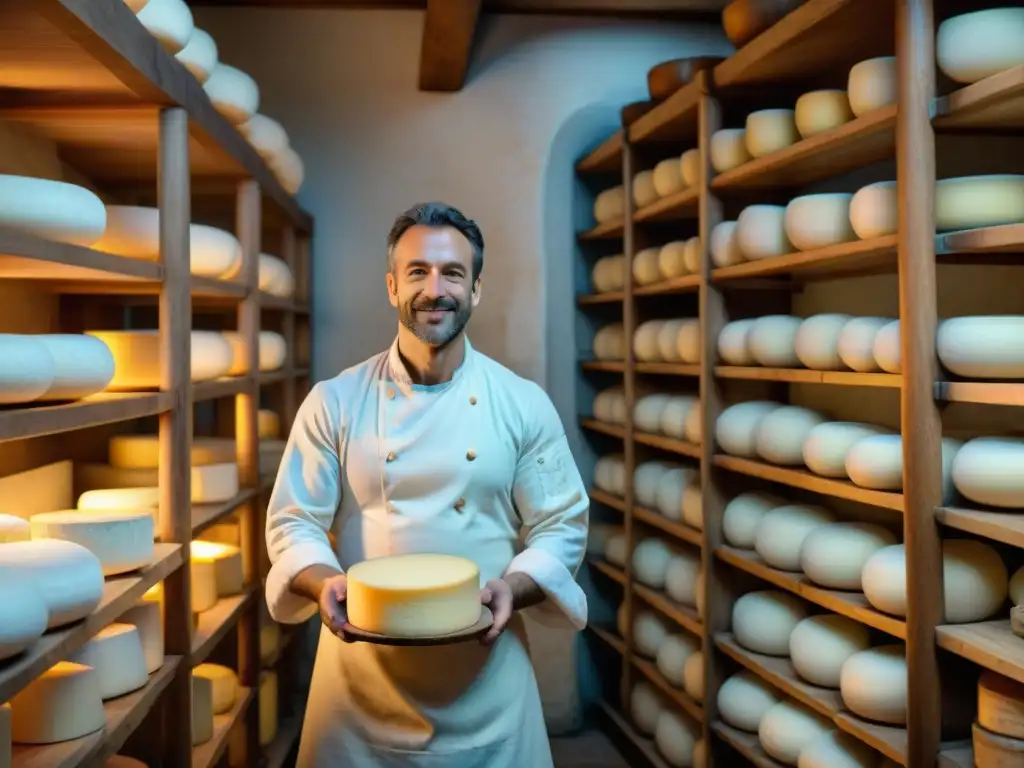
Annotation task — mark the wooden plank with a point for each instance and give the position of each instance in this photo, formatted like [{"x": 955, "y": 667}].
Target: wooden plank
[
  {"x": 672, "y": 528},
  {"x": 746, "y": 744},
  {"x": 683, "y": 615},
  {"x": 680, "y": 205},
  {"x": 1005, "y": 238},
  {"x": 887, "y": 739},
  {"x": 223, "y": 387},
  {"x": 608, "y": 366},
  {"x": 93, "y": 411},
  {"x": 448, "y": 33},
  {"x": 668, "y": 369},
  {"x": 605, "y": 158},
  {"x": 601, "y": 497},
  {"x": 609, "y": 230},
  {"x": 996, "y": 103},
  {"x": 989, "y": 644},
  {"x": 705, "y": 10},
  {"x": 24, "y": 256},
  {"x": 673, "y": 120},
  {"x": 591, "y": 299},
  {"x": 669, "y": 444},
  {"x": 215, "y": 623},
  {"x": 205, "y": 515},
  {"x": 612, "y": 430},
  {"x": 1004, "y": 527},
  {"x": 644, "y": 745},
  {"x": 805, "y": 376},
  {"x": 844, "y": 258},
  {"x": 682, "y": 284}
]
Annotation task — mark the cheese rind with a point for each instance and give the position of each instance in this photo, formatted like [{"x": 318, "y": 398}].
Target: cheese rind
[
  {"x": 137, "y": 357},
  {"x": 202, "y": 709},
  {"x": 23, "y": 615},
  {"x": 68, "y": 576},
  {"x": 115, "y": 652},
  {"x": 271, "y": 354},
  {"x": 143, "y": 451},
  {"x": 224, "y": 682},
  {"x": 53, "y": 210},
  {"x": 211, "y": 484},
  {"x": 83, "y": 365},
  {"x": 28, "y": 369},
  {"x": 61, "y": 704},
  {"x": 146, "y": 616},
  {"x": 169, "y": 21},
  {"x": 227, "y": 564},
  {"x": 200, "y": 54},
  {"x": 234, "y": 93},
  {"x": 414, "y": 595},
  {"x": 121, "y": 539},
  {"x": 820, "y": 111}
]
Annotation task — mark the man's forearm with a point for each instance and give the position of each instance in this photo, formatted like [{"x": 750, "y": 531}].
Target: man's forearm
[
  {"x": 525, "y": 592},
  {"x": 309, "y": 582}
]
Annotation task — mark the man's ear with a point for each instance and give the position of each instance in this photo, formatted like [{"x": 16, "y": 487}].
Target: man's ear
[
  {"x": 474, "y": 297},
  {"x": 392, "y": 288}
]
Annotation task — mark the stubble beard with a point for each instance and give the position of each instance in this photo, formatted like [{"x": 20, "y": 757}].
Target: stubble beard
[{"x": 437, "y": 335}]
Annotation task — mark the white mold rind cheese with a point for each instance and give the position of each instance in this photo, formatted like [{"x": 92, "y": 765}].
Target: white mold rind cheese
[
  {"x": 115, "y": 652},
  {"x": 68, "y": 577},
  {"x": 61, "y": 704},
  {"x": 23, "y": 615},
  {"x": 146, "y": 616},
  {"x": 121, "y": 539}
]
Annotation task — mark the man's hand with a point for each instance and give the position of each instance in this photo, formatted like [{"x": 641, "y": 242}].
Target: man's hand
[
  {"x": 329, "y": 588},
  {"x": 497, "y": 595}
]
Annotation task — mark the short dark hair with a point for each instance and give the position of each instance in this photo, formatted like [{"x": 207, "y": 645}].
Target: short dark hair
[{"x": 438, "y": 215}]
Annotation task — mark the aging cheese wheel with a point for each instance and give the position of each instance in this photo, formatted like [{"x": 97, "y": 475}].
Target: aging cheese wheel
[
  {"x": 200, "y": 54},
  {"x": 725, "y": 248},
  {"x": 857, "y": 343},
  {"x": 645, "y": 706},
  {"x": 874, "y": 210},
  {"x": 224, "y": 682},
  {"x": 787, "y": 728},
  {"x": 668, "y": 337},
  {"x": 202, "y": 709},
  {"x": 610, "y": 405},
  {"x": 115, "y": 652},
  {"x": 23, "y": 615},
  {"x": 693, "y": 676},
  {"x": 742, "y": 516},
  {"x": 211, "y": 484},
  {"x": 872, "y": 84},
  {"x": 763, "y": 621},
  {"x": 675, "y": 736},
  {"x": 817, "y": 341},
  {"x": 615, "y": 549},
  {"x": 689, "y": 166},
  {"x": 68, "y": 577},
  {"x": 676, "y": 414},
  {"x": 1001, "y": 705},
  {"x": 818, "y": 221},
  {"x": 772, "y": 341},
  {"x": 671, "y": 485},
  {"x": 692, "y": 255},
  {"x": 781, "y": 434},
  {"x": 873, "y": 684},
  {"x": 143, "y": 451},
  {"x": 28, "y": 370},
  {"x": 289, "y": 169},
  {"x": 886, "y": 348},
  {"x": 609, "y": 342},
  {"x": 609, "y": 474},
  {"x": 137, "y": 357},
  {"x": 275, "y": 277},
  {"x": 819, "y": 111},
  {"x": 644, "y": 193},
  {"x": 736, "y": 429},
  {"x": 271, "y": 354},
  {"x": 666, "y": 78},
  {"x": 769, "y": 130},
  {"x": 227, "y": 564},
  {"x": 14, "y": 529},
  {"x": 268, "y": 424},
  {"x": 827, "y": 445},
  {"x": 610, "y": 204},
  {"x": 234, "y": 93},
  {"x": 646, "y": 478},
  {"x": 877, "y": 463},
  {"x": 781, "y": 533},
  {"x": 820, "y": 645},
  {"x": 146, "y": 617},
  {"x": 761, "y": 232},
  {"x": 420, "y": 595},
  {"x": 668, "y": 177},
  {"x": 672, "y": 259},
  {"x": 834, "y": 555},
  {"x": 61, "y": 704},
  {"x": 978, "y": 201},
  {"x": 681, "y": 578},
  {"x": 732, "y": 343},
  {"x": 650, "y": 562},
  {"x": 688, "y": 342},
  {"x": 837, "y": 750},
  {"x": 982, "y": 347},
  {"x": 973, "y": 46},
  {"x": 694, "y": 429},
  {"x": 169, "y": 21},
  {"x": 743, "y": 20},
  {"x": 647, "y": 266},
  {"x": 267, "y": 136},
  {"x": 693, "y": 506},
  {"x": 121, "y": 539},
  {"x": 744, "y": 699},
  {"x": 82, "y": 365},
  {"x": 609, "y": 274},
  {"x": 729, "y": 149},
  {"x": 673, "y": 654},
  {"x": 52, "y": 210},
  {"x": 647, "y": 412},
  {"x": 645, "y": 341},
  {"x": 990, "y": 471},
  {"x": 649, "y": 632}
]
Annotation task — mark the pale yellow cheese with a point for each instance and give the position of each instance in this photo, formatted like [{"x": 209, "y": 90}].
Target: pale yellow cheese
[
  {"x": 227, "y": 563},
  {"x": 202, "y": 709},
  {"x": 121, "y": 498},
  {"x": 203, "y": 575},
  {"x": 417, "y": 595},
  {"x": 211, "y": 484},
  {"x": 14, "y": 528},
  {"x": 270, "y": 640},
  {"x": 268, "y": 423},
  {"x": 143, "y": 451},
  {"x": 61, "y": 704},
  {"x": 147, "y": 617},
  {"x": 268, "y": 707},
  {"x": 225, "y": 533},
  {"x": 116, "y": 653},
  {"x": 137, "y": 357},
  {"x": 225, "y": 685}
]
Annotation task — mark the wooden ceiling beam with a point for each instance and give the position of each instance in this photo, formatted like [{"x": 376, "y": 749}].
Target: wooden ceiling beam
[{"x": 449, "y": 29}]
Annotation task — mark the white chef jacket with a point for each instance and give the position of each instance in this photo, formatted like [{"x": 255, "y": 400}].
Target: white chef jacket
[{"x": 478, "y": 466}]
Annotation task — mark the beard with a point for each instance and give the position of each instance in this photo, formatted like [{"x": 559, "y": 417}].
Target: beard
[{"x": 437, "y": 333}]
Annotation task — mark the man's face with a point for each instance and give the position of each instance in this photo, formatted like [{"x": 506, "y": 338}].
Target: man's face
[{"x": 431, "y": 283}]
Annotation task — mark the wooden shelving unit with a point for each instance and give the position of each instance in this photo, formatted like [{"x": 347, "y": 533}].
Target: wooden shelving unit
[
  {"x": 84, "y": 81},
  {"x": 812, "y": 47}
]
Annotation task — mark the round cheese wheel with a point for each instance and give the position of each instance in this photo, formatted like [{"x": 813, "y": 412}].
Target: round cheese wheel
[
  {"x": 169, "y": 21},
  {"x": 288, "y": 169},
  {"x": 693, "y": 676},
  {"x": 1017, "y": 587},
  {"x": 857, "y": 343},
  {"x": 873, "y": 684},
  {"x": 968, "y": 202},
  {"x": 675, "y": 736},
  {"x": 820, "y": 645},
  {"x": 28, "y": 371},
  {"x": 234, "y": 93},
  {"x": 672, "y": 656},
  {"x": 137, "y": 357},
  {"x": 644, "y": 193},
  {"x": 834, "y": 555},
  {"x": 787, "y": 728},
  {"x": 873, "y": 84},
  {"x": 693, "y": 432},
  {"x": 693, "y": 506},
  {"x": 67, "y": 576},
  {"x": 817, "y": 341},
  {"x": 604, "y": 404},
  {"x": 224, "y": 682},
  {"x": 975, "y": 581},
  {"x": 23, "y": 614},
  {"x": 52, "y": 210},
  {"x": 973, "y": 46},
  {"x": 681, "y": 578},
  {"x": 14, "y": 529},
  {"x": 82, "y": 365},
  {"x": 645, "y": 341},
  {"x": 650, "y": 562},
  {"x": 874, "y": 210},
  {"x": 610, "y": 342},
  {"x": 115, "y": 652},
  {"x": 736, "y": 428},
  {"x": 615, "y": 549},
  {"x": 692, "y": 256},
  {"x": 837, "y": 750},
  {"x": 610, "y": 204},
  {"x": 61, "y": 704},
  {"x": 781, "y": 434},
  {"x": 668, "y": 177},
  {"x": 1000, "y": 704},
  {"x": 782, "y": 530},
  {"x": 772, "y": 341},
  {"x": 598, "y": 535},
  {"x": 121, "y": 539},
  {"x": 147, "y": 617},
  {"x": 668, "y": 349},
  {"x": 646, "y": 707},
  {"x": 886, "y": 348},
  {"x": 732, "y": 343},
  {"x": 744, "y": 699},
  {"x": 646, "y": 477},
  {"x": 985, "y": 347},
  {"x": 200, "y": 54},
  {"x": 672, "y": 259},
  {"x": 827, "y": 445},
  {"x": 990, "y": 471},
  {"x": 743, "y": 514},
  {"x": 609, "y": 274},
  {"x": 671, "y": 485},
  {"x": 763, "y": 621},
  {"x": 267, "y": 136},
  {"x": 761, "y": 232},
  {"x": 674, "y": 417},
  {"x": 819, "y": 111},
  {"x": 688, "y": 342},
  {"x": 769, "y": 130},
  {"x": 648, "y": 411},
  {"x": 877, "y": 463},
  {"x": 610, "y": 474},
  {"x": 818, "y": 221},
  {"x": 729, "y": 149},
  {"x": 275, "y": 277},
  {"x": 647, "y": 266},
  {"x": 725, "y": 248},
  {"x": 689, "y": 166}
]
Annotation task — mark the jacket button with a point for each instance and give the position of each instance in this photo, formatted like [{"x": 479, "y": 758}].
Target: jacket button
[
  {"x": 459, "y": 505},
  {"x": 472, "y": 400},
  {"x": 391, "y": 394},
  {"x": 470, "y": 455},
  {"x": 392, "y": 456}
]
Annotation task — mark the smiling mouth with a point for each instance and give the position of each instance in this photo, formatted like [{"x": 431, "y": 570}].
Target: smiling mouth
[{"x": 433, "y": 315}]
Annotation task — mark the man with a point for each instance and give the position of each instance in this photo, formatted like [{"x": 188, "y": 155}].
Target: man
[{"x": 428, "y": 447}]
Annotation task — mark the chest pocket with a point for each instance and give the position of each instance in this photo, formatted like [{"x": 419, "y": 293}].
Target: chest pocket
[{"x": 544, "y": 481}]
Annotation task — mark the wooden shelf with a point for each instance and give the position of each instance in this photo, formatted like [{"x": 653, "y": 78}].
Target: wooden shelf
[
  {"x": 592, "y": 299},
  {"x": 607, "y": 231},
  {"x": 989, "y": 644},
  {"x": 808, "y": 481},
  {"x": 124, "y": 714},
  {"x": 119, "y": 594},
  {"x": 26, "y": 257},
  {"x": 861, "y": 256},
  {"x": 606, "y": 158},
  {"x": 669, "y": 444},
  {"x": 610, "y": 366},
  {"x": 19, "y": 423},
  {"x": 607, "y": 499},
  {"x": 683, "y": 615},
  {"x": 206, "y": 755},
  {"x": 889, "y": 740},
  {"x": 859, "y": 143},
  {"x": 673, "y": 120},
  {"x": 983, "y": 392},
  {"x": 995, "y": 103},
  {"x": 676, "y": 530},
  {"x": 804, "y": 376},
  {"x": 683, "y": 284},
  {"x": 612, "y": 430},
  {"x": 613, "y": 572},
  {"x": 215, "y": 623},
  {"x": 644, "y": 745},
  {"x": 1003, "y": 239},
  {"x": 205, "y": 515},
  {"x": 667, "y": 369},
  {"x": 1004, "y": 527},
  {"x": 850, "y": 604},
  {"x": 678, "y": 696},
  {"x": 217, "y": 388},
  {"x": 746, "y": 744},
  {"x": 681, "y": 205}
]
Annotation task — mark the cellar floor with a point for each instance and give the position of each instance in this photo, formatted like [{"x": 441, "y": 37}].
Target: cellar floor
[{"x": 589, "y": 749}]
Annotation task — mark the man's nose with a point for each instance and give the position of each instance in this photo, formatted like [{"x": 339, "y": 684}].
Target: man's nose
[{"x": 435, "y": 285}]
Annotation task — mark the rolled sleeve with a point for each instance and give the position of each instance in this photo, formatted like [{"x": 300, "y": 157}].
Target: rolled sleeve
[
  {"x": 552, "y": 501},
  {"x": 303, "y": 505}
]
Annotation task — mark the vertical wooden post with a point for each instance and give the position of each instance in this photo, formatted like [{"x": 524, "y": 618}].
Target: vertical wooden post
[
  {"x": 288, "y": 399},
  {"x": 717, "y": 601},
  {"x": 629, "y": 385},
  {"x": 921, "y": 424},
  {"x": 175, "y": 440},
  {"x": 249, "y": 232}
]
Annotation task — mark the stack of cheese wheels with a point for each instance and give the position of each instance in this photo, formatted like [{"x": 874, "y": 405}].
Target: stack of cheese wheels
[
  {"x": 649, "y": 630},
  {"x": 676, "y": 416},
  {"x": 610, "y": 205},
  {"x": 674, "y": 174},
  {"x": 818, "y": 221},
  {"x": 272, "y": 352},
  {"x": 24, "y": 615},
  {"x": 827, "y": 445},
  {"x": 51, "y": 367},
  {"x": 1000, "y": 701},
  {"x": 268, "y": 423},
  {"x": 134, "y": 231},
  {"x": 737, "y": 426},
  {"x": 200, "y": 55},
  {"x": 270, "y": 140},
  {"x": 414, "y": 595},
  {"x": 613, "y": 546},
  {"x": 63, "y": 703},
  {"x": 610, "y": 474},
  {"x": 973, "y": 46},
  {"x": 52, "y": 210},
  {"x": 226, "y": 559},
  {"x": 676, "y": 340},
  {"x": 67, "y": 577},
  {"x": 169, "y": 21},
  {"x": 116, "y": 653},
  {"x": 609, "y": 274},
  {"x": 610, "y": 343},
  {"x": 781, "y": 533},
  {"x": 744, "y": 699},
  {"x": 610, "y": 405},
  {"x": 986, "y": 470},
  {"x": 675, "y": 492},
  {"x": 769, "y": 130},
  {"x": 137, "y": 357},
  {"x": 974, "y": 576},
  {"x": 725, "y": 247},
  {"x": 833, "y": 555},
  {"x": 146, "y": 617},
  {"x": 121, "y": 539}
]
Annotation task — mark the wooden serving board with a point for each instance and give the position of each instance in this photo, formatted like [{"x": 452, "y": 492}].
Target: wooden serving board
[{"x": 470, "y": 633}]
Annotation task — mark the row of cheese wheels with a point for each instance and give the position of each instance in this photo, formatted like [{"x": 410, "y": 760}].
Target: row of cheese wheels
[
  {"x": 655, "y": 413},
  {"x": 676, "y": 735},
  {"x": 233, "y": 93},
  {"x": 670, "y": 488}
]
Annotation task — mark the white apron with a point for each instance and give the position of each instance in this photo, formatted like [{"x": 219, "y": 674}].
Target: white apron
[{"x": 424, "y": 469}]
